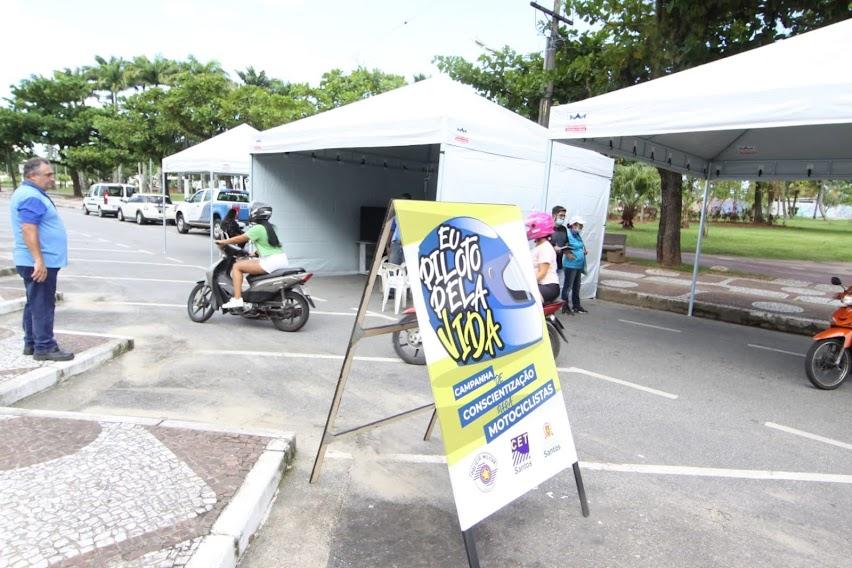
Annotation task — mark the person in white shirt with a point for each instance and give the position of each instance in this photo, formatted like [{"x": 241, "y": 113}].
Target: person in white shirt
[{"x": 539, "y": 228}]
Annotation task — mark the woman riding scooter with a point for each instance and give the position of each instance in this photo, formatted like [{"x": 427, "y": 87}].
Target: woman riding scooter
[{"x": 271, "y": 256}]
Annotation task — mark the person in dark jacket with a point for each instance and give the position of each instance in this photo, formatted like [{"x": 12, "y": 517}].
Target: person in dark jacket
[
  {"x": 559, "y": 239},
  {"x": 230, "y": 226}
]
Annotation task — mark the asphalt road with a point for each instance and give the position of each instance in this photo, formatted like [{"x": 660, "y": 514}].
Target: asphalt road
[{"x": 701, "y": 443}]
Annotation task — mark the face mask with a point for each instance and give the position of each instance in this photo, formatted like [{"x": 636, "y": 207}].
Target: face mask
[{"x": 560, "y": 222}]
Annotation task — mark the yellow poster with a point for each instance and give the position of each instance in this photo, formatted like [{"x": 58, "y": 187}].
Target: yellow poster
[{"x": 494, "y": 380}]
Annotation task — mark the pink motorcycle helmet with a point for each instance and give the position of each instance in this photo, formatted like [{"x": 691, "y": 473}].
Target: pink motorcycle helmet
[{"x": 539, "y": 225}]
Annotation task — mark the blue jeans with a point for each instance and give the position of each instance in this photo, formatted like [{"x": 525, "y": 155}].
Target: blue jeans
[
  {"x": 396, "y": 255},
  {"x": 39, "y": 309},
  {"x": 572, "y": 286}
]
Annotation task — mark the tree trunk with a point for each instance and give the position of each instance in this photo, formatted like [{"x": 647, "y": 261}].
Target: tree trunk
[
  {"x": 819, "y": 204},
  {"x": 770, "y": 202},
  {"x": 816, "y": 203},
  {"x": 758, "y": 202},
  {"x": 668, "y": 235},
  {"x": 75, "y": 179},
  {"x": 11, "y": 168}
]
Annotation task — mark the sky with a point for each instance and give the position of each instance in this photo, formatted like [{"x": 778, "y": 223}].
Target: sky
[{"x": 293, "y": 40}]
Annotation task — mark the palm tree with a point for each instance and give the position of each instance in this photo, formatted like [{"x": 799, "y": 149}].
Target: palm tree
[
  {"x": 632, "y": 184},
  {"x": 144, "y": 72},
  {"x": 252, "y": 77},
  {"x": 110, "y": 75}
]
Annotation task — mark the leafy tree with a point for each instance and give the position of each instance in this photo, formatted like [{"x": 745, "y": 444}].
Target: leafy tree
[
  {"x": 632, "y": 185},
  {"x": 195, "y": 103},
  {"x": 504, "y": 76},
  {"x": 263, "y": 109},
  {"x": 56, "y": 113},
  {"x": 338, "y": 89},
  {"x": 15, "y": 142}
]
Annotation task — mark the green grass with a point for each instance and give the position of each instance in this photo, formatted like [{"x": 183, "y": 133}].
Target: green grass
[{"x": 800, "y": 239}]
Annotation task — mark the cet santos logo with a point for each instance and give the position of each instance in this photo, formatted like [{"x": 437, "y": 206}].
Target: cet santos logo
[
  {"x": 521, "y": 452},
  {"x": 477, "y": 296}
]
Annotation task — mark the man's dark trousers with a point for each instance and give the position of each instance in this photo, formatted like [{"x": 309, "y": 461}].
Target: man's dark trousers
[{"x": 38, "y": 312}]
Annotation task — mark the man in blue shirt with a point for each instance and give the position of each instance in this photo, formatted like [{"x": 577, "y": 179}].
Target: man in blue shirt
[{"x": 41, "y": 249}]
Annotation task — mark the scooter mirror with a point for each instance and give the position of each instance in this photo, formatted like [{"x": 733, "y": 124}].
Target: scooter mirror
[{"x": 836, "y": 281}]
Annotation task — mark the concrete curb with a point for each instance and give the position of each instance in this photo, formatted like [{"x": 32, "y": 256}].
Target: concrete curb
[
  {"x": 8, "y": 271},
  {"x": 16, "y": 305},
  {"x": 721, "y": 312},
  {"x": 43, "y": 378},
  {"x": 245, "y": 513}
]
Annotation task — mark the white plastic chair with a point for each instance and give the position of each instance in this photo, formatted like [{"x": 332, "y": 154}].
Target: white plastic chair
[{"x": 394, "y": 277}]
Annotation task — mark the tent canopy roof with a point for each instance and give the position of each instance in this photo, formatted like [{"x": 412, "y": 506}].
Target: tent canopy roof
[
  {"x": 433, "y": 111},
  {"x": 226, "y": 153},
  {"x": 782, "y": 111}
]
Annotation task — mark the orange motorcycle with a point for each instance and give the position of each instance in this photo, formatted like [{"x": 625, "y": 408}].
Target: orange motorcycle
[{"x": 829, "y": 359}]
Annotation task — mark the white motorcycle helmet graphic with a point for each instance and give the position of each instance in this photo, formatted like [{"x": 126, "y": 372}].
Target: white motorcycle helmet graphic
[{"x": 507, "y": 296}]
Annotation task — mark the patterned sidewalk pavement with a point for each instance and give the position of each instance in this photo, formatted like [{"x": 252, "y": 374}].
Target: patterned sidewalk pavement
[
  {"x": 83, "y": 491},
  {"x": 22, "y": 376},
  {"x": 786, "y": 304}
]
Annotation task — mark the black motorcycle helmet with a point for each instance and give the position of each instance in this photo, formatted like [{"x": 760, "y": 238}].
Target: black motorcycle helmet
[{"x": 260, "y": 212}]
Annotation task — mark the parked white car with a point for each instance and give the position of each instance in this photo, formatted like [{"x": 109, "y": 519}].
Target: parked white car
[
  {"x": 145, "y": 207},
  {"x": 105, "y": 198}
]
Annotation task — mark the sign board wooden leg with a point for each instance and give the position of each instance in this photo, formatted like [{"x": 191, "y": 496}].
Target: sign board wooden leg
[
  {"x": 581, "y": 491},
  {"x": 470, "y": 548},
  {"x": 431, "y": 426}
]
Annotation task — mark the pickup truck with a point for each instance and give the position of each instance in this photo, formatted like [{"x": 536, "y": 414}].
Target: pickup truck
[{"x": 194, "y": 213}]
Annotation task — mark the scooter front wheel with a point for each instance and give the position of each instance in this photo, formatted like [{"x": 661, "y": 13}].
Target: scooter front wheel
[
  {"x": 295, "y": 312},
  {"x": 822, "y": 366},
  {"x": 200, "y": 303},
  {"x": 555, "y": 341}
]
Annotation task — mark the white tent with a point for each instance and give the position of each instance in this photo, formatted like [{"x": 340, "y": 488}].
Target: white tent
[
  {"x": 226, "y": 153},
  {"x": 782, "y": 111},
  {"x": 434, "y": 139}
]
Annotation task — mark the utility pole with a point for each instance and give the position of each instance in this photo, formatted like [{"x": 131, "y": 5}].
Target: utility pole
[{"x": 550, "y": 57}]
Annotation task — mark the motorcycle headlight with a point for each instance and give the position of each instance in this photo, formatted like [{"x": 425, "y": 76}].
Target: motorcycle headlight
[{"x": 846, "y": 300}]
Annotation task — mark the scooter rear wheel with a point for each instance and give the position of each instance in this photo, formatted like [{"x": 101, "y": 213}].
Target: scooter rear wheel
[
  {"x": 820, "y": 364},
  {"x": 296, "y": 312},
  {"x": 199, "y": 306}
]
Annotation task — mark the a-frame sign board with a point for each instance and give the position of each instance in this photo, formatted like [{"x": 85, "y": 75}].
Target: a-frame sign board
[{"x": 502, "y": 415}]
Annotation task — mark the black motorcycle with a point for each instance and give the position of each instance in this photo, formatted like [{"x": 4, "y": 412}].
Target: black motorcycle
[{"x": 279, "y": 296}]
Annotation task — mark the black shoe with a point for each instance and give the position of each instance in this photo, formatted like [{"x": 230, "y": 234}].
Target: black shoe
[
  {"x": 566, "y": 309},
  {"x": 28, "y": 349},
  {"x": 56, "y": 354},
  {"x": 580, "y": 310}
]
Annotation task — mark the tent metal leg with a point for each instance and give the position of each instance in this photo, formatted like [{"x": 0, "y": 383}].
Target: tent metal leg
[
  {"x": 548, "y": 161},
  {"x": 698, "y": 245}
]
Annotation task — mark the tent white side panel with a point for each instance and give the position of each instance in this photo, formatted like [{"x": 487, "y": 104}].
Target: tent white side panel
[
  {"x": 470, "y": 176},
  {"x": 316, "y": 205},
  {"x": 586, "y": 195}
]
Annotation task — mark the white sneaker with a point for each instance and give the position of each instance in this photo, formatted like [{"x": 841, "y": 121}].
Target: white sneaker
[{"x": 233, "y": 303}]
